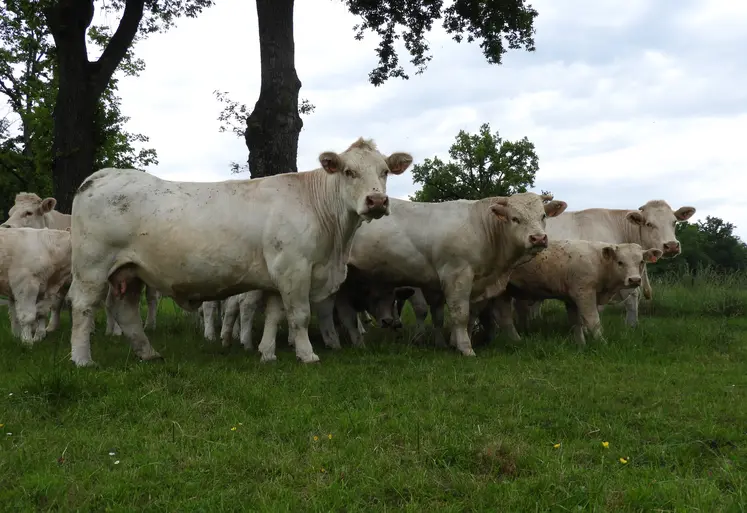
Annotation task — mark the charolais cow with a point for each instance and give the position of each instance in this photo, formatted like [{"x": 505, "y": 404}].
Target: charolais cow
[
  {"x": 34, "y": 266},
  {"x": 581, "y": 273},
  {"x": 651, "y": 226},
  {"x": 288, "y": 234},
  {"x": 30, "y": 211},
  {"x": 464, "y": 248}
]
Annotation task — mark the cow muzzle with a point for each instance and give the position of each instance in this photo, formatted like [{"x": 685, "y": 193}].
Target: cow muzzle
[
  {"x": 671, "y": 249},
  {"x": 377, "y": 205},
  {"x": 633, "y": 281},
  {"x": 538, "y": 241}
]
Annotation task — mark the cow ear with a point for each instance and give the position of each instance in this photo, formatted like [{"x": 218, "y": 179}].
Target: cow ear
[
  {"x": 555, "y": 208},
  {"x": 330, "y": 161},
  {"x": 403, "y": 293},
  {"x": 48, "y": 204},
  {"x": 652, "y": 255},
  {"x": 608, "y": 252},
  {"x": 398, "y": 162},
  {"x": 500, "y": 211},
  {"x": 636, "y": 217},
  {"x": 684, "y": 213}
]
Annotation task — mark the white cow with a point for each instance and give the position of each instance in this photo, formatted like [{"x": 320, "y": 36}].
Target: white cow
[
  {"x": 30, "y": 211},
  {"x": 581, "y": 273},
  {"x": 34, "y": 266},
  {"x": 289, "y": 234},
  {"x": 651, "y": 226},
  {"x": 463, "y": 248}
]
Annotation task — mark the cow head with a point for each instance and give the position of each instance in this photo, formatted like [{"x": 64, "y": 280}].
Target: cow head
[
  {"x": 362, "y": 172},
  {"x": 625, "y": 263},
  {"x": 523, "y": 216},
  {"x": 29, "y": 211},
  {"x": 657, "y": 222}
]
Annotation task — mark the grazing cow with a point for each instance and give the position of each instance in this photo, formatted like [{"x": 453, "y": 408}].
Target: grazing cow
[
  {"x": 31, "y": 211},
  {"x": 288, "y": 234},
  {"x": 581, "y": 273},
  {"x": 651, "y": 226},
  {"x": 34, "y": 266},
  {"x": 463, "y": 248}
]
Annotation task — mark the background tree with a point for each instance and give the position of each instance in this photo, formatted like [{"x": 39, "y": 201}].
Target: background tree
[
  {"x": 82, "y": 83},
  {"x": 273, "y": 126},
  {"x": 482, "y": 165},
  {"x": 29, "y": 82},
  {"x": 233, "y": 118}
]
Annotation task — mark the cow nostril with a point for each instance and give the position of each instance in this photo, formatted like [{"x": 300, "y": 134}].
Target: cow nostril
[
  {"x": 370, "y": 201},
  {"x": 386, "y": 201}
]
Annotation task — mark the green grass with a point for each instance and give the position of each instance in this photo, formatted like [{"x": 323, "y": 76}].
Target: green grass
[{"x": 413, "y": 428}]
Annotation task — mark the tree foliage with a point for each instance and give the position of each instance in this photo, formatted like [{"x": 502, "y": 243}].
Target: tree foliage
[
  {"x": 233, "y": 116},
  {"x": 482, "y": 165},
  {"x": 29, "y": 80},
  {"x": 498, "y": 25}
]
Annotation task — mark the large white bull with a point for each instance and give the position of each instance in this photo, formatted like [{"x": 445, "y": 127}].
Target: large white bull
[
  {"x": 288, "y": 234},
  {"x": 463, "y": 248}
]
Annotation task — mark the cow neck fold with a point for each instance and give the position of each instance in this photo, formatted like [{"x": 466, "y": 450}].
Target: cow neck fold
[
  {"x": 500, "y": 250},
  {"x": 335, "y": 218}
]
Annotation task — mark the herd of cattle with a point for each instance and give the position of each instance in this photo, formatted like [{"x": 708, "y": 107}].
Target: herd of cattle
[{"x": 329, "y": 241}]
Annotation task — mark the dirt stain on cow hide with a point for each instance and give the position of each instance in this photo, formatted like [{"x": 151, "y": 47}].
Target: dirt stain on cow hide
[{"x": 121, "y": 202}]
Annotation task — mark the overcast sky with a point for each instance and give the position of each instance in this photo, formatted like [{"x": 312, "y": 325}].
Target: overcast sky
[{"x": 625, "y": 100}]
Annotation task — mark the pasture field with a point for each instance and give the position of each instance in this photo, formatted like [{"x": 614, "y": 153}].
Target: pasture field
[{"x": 656, "y": 420}]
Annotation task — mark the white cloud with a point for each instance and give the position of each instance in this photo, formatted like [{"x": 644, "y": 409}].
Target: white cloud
[{"x": 625, "y": 100}]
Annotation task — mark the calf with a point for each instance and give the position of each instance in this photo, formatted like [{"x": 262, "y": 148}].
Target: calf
[
  {"x": 34, "y": 266},
  {"x": 581, "y": 273}
]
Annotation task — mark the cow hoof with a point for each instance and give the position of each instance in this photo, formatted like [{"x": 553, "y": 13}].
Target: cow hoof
[
  {"x": 85, "y": 363},
  {"x": 267, "y": 358},
  {"x": 311, "y": 359},
  {"x": 248, "y": 347},
  {"x": 154, "y": 356},
  {"x": 469, "y": 352}
]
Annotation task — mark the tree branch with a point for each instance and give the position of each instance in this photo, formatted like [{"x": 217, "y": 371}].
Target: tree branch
[{"x": 115, "y": 51}]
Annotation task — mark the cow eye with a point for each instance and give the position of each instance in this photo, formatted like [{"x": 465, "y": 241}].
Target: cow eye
[
  {"x": 619, "y": 262},
  {"x": 649, "y": 225},
  {"x": 28, "y": 214},
  {"x": 349, "y": 173},
  {"x": 515, "y": 220}
]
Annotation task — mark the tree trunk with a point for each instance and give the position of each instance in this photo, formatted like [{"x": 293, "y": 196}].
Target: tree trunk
[
  {"x": 272, "y": 128},
  {"x": 73, "y": 146},
  {"x": 81, "y": 85}
]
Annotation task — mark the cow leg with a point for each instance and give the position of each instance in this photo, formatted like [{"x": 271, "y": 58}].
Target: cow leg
[
  {"x": 574, "y": 319},
  {"x": 273, "y": 316},
  {"x": 236, "y": 330},
  {"x": 126, "y": 311},
  {"x": 25, "y": 292},
  {"x": 505, "y": 316},
  {"x": 420, "y": 307},
  {"x": 112, "y": 328},
  {"x": 438, "y": 314},
  {"x": 646, "y": 289},
  {"x": 248, "y": 305},
  {"x": 631, "y": 307},
  {"x": 42, "y": 312},
  {"x": 534, "y": 309},
  {"x": 230, "y": 316},
  {"x": 152, "y": 296},
  {"x": 361, "y": 328},
  {"x": 457, "y": 289},
  {"x": 86, "y": 293},
  {"x": 294, "y": 284},
  {"x": 589, "y": 316},
  {"x": 325, "y": 313},
  {"x": 57, "y": 304},
  {"x": 348, "y": 318},
  {"x": 488, "y": 319},
  {"x": 210, "y": 311},
  {"x": 15, "y": 327},
  {"x": 523, "y": 314}
]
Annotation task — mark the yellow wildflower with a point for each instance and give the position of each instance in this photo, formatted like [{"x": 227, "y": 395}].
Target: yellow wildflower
[
  {"x": 606, "y": 445},
  {"x": 328, "y": 436},
  {"x": 557, "y": 446},
  {"x": 233, "y": 428},
  {"x": 316, "y": 438},
  {"x": 323, "y": 471},
  {"x": 3, "y": 425},
  {"x": 623, "y": 461}
]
